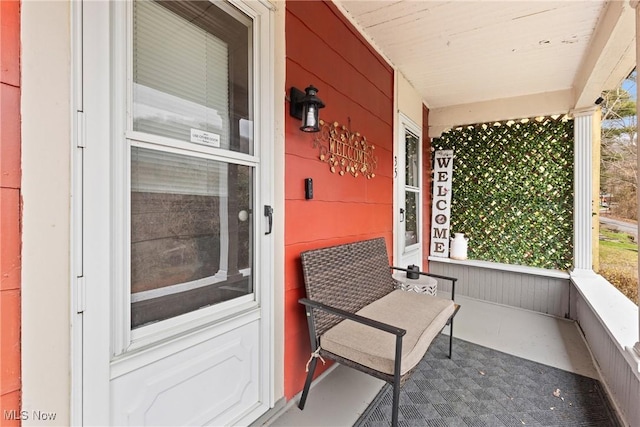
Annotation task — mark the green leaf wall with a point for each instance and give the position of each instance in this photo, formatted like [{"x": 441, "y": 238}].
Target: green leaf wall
[{"x": 512, "y": 191}]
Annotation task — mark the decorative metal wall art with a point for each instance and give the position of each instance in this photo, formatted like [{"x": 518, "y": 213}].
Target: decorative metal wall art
[{"x": 346, "y": 152}]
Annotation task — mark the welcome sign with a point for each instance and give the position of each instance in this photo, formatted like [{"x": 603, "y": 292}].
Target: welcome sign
[
  {"x": 346, "y": 152},
  {"x": 441, "y": 215}
]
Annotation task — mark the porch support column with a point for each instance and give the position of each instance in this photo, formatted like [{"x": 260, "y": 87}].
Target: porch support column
[
  {"x": 583, "y": 205},
  {"x": 634, "y": 3}
]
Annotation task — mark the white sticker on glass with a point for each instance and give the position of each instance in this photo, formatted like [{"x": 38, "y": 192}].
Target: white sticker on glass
[{"x": 208, "y": 138}]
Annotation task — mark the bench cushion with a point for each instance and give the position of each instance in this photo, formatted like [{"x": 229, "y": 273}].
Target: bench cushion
[{"x": 423, "y": 317}]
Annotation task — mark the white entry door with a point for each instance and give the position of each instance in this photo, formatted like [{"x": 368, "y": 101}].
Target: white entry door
[
  {"x": 408, "y": 181},
  {"x": 176, "y": 212}
]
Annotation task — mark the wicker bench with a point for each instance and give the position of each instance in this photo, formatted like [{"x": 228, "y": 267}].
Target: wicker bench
[{"x": 388, "y": 330}]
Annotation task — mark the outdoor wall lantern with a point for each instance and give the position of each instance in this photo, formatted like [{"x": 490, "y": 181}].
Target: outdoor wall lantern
[{"x": 305, "y": 106}]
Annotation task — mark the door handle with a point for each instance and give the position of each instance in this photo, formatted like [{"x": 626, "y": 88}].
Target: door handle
[
  {"x": 401, "y": 214},
  {"x": 268, "y": 212}
]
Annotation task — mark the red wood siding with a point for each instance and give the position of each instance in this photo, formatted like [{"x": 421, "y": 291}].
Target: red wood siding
[
  {"x": 426, "y": 188},
  {"x": 10, "y": 382},
  {"x": 323, "y": 49}
]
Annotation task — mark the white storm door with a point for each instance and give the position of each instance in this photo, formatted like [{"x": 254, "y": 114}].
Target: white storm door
[
  {"x": 408, "y": 194},
  {"x": 185, "y": 306}
]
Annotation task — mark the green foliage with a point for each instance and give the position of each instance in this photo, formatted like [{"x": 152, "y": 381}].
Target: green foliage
[
  {"x": 618, "y": 240},
  {"x": 512, "y": 191},
  {"x": 619, "y": 261},
  {"x": 617, "y": 103},
  {"x": 623, "y": 280},
  {"x": 618, "y": 161}
]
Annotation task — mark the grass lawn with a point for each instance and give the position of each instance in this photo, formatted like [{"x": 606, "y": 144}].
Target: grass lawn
[{"x": 619, "y": 261}]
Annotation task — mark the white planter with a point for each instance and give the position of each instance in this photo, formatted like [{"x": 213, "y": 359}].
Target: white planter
[{"x": 458, "y": 246}]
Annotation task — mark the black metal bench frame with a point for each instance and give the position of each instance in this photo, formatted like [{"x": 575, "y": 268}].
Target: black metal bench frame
[{"x": 327, "y": 269}]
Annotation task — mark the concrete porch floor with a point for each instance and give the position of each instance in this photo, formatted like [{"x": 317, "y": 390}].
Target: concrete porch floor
[{"x": 342, "y": 394}]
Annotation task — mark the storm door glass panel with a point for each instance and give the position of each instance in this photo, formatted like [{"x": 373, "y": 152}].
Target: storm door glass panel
[
  {"x": 191, "y": 73},
  {"x": 412, "y": 168},
  {"x": 412, "y": 188},
  {"x": 411, "y": 222},
  {"x": 191, "y": 234}
]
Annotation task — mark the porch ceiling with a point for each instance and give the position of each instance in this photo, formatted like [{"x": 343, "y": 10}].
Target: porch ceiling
[{"x": 481, "y": 60}]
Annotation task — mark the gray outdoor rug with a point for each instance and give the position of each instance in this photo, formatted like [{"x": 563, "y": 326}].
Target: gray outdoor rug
[{"x": 484, "y": 387}]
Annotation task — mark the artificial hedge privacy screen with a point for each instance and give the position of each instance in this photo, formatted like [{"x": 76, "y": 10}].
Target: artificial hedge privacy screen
[{"x": 512, "y": 190}]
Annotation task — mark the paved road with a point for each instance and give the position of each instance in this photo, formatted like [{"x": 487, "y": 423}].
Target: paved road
[{"x": 627, "y": 227}]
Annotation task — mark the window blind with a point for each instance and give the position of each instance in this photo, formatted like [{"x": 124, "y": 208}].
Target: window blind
[
  {"x": 180, "y": 75},
  {"x": 159, "y": 172}
]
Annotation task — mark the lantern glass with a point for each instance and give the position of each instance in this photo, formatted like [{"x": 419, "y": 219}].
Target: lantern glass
[
  {"x": 305, "y": 106},
  {"x": 310, "y": 118}
]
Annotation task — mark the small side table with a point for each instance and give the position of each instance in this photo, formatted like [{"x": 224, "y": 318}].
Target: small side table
[{"x": 421, "y": 285}]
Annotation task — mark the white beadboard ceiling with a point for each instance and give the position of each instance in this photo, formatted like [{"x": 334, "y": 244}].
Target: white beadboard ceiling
[{"x": 473, "y": 53}]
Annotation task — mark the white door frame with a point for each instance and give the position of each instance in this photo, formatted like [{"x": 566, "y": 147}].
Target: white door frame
[
  {"x": 93, "y": 241},
  {"x": 77, "y": 274},
  {"x": 403, "y": 258}
]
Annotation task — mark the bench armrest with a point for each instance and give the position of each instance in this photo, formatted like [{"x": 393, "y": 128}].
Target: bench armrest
[
  {"x": 315, "y": 344},
  {"x": 398, "y": 332},
  {"x": 453, "y": 280}
]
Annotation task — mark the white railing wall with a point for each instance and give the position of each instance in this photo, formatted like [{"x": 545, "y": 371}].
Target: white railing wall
[
  {"x": 608, "y": 321},
  {"x": 529, "y": 288}
]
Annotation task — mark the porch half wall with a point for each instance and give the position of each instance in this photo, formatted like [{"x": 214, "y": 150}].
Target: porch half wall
[
  {"x": 608, "y": 319},
  {"x": 527, "y": 288},
  {"x": 357, "y": 86}
]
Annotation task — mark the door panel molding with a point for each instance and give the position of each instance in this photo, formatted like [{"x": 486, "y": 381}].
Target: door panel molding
[
  {"x": 147, "y": 356},
  {"x": 188, "y": 380}
]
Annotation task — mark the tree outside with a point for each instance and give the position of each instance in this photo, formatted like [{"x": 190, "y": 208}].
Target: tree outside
[
  {"x": 619, "y": 151},
  {"x": 618, "y": 186}
]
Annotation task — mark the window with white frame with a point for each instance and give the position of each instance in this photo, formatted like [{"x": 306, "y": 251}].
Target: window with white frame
[
  {"x": 412, "y": 189},
  {"x": 192, "y": 169}
]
